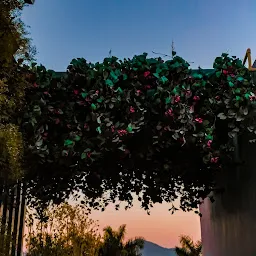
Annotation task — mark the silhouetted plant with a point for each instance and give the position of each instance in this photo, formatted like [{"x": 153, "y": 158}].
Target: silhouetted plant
[{"x": 188, "y": 247}]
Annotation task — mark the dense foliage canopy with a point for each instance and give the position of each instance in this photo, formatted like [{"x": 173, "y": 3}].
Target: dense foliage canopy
[{"x": 141, "y": 125}]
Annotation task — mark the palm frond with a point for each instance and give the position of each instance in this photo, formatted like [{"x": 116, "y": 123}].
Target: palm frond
[
  {"x": 199, "y": 247},
  {"x": 187, "y": 242},
  {"x": 108, "y": 232},
  {"x": 121, "y": 232},
  {"x": 137, "y": 242},
  {"x": 182, "y": 251}
]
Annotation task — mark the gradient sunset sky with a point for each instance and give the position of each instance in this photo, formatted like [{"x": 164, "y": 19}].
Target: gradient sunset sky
[{"x": 201, "y": 30}]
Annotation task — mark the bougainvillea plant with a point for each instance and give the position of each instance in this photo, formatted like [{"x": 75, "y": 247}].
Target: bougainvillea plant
[{"x": 141, "y": 125}]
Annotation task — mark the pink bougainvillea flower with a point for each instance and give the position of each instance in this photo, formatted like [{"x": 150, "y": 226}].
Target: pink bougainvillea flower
[
  {"x": 76, "y": 92},
  {"x": 146, "y": 73},
  {"x": 188, "y": 93},
  {"x": 57, "y": 121},
  {"x": 97, "y": 92},
  {"x": 217, "y": 97},
  {"x": 225, "y": 72},
  {"x": 35, "y": 85},
  {"x": 85, "y": 126},
  {"x": 169, "y": 112},
  {"x": 214, "y": 160},
  {"x": 252, "y": 98},
  {"x": 46, "y": 93},
  {"x": 199, "y": 120},
  {"x": 89, "y": 154},
  {"x": 191, "y": 109},
  {"x": 88, "y": 99},
  {"x": 132, "y": 109},
  {"x": 176, "y": 99},
  {"x": 122, "y": 132},
  {"x": 196, "y": 98},
  {"x": 112, "y": 128},
  {"x": 138, "y": 92},
  {"x": 232, "y": 75},
  {"x": 147, "y": 86},
  {"x": 209, "y": 143}
]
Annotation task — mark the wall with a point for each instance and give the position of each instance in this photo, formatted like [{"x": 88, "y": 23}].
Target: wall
[{"x": 228, "y": 225}]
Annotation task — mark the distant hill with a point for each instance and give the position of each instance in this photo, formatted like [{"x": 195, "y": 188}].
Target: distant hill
[{"x": 151, "y": 249}]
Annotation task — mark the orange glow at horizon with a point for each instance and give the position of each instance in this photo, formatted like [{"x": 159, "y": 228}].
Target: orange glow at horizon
[{"x": 160, "y": 227}]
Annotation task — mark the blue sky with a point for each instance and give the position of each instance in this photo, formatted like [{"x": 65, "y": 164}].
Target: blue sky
[{"x": 201, "y": 29}]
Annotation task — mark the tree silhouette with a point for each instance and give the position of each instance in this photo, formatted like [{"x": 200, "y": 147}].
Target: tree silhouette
[
  {"x": 188, "y": 247},
  {"x": 114, "y": 245}
]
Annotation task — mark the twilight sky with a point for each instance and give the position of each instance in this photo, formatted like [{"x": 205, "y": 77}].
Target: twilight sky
[{"x": 201, "y": 30}]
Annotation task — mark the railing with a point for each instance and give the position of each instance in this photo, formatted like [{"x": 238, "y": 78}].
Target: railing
[{"x": 12, "y": 212}]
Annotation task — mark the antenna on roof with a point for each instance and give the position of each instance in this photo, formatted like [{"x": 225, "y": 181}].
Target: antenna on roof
[{"x": 110, "y": 53}]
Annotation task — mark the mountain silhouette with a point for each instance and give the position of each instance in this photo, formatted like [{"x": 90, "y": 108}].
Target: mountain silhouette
[{"x": 151, "y": 249}]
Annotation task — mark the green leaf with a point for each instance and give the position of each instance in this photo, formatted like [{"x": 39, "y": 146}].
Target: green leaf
[
  {"x": 93, "y": 106},
  {"x": 209, "y": 137},
  {"x": 68, "y": 143},
  {"x": 163, "y": 79},
  {"x": 247, "y": 95},
  {"x": 129, "y": 128},
  {"x": 84, "y": 94},
  {"x": 203, "y": 83},
  {"x": 83, "y": 155},
  {"x": 114, "y": 77},
  {"x": 240, "y": 79},
  {"x": 109, "y": 83},
  {"x": 197, "y": 76},
  {"x": 224, "y": 55},
  {"x": 238, "y": 98},
  {"x": 231, "y": 84},
  {"x": 125, "y": 77},
  {"x": 218, "y": 73},
  {"x": 156, "y": 75},
  {"x": 77, "y": 138},
  {"x": 176, "y": 64},
  {"x": 168, "y": 100},
  {"x": 119, "y": 90},
  {"x": 151, "y": 92},
  {"x": 158, "y": 70},
  {"x": 98, "y": 129}
]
